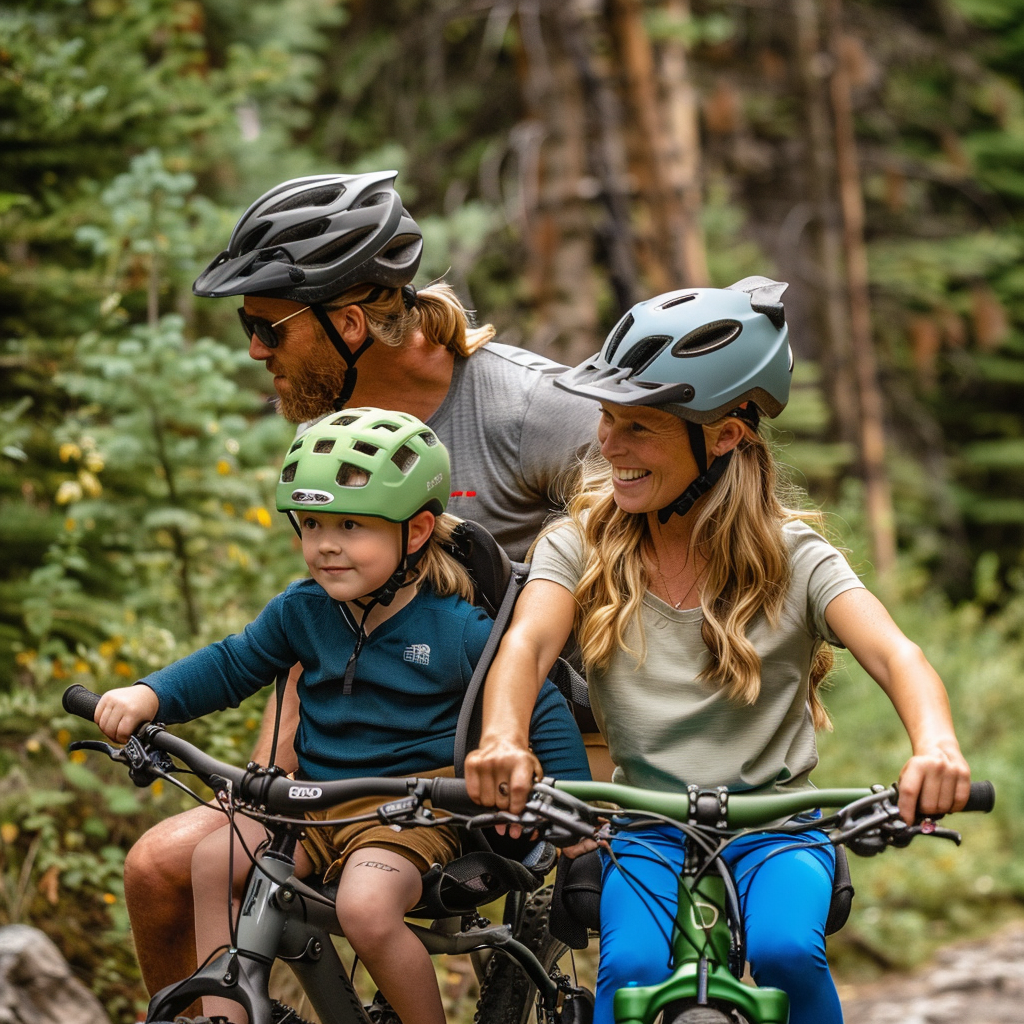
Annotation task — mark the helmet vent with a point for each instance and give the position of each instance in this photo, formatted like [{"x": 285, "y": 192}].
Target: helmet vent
[
  {"x": 324, "y": 446},
  {"x": 679, "y": 300},
  {"x": 323, "y": 196},
  {"x": 336, "y": 249},
  {"x": 386, "y": 426},
  {"x": 343, "y": 421},
  {"x": 288, "y": 473},
  {"x": 365, "y": 447},
  {"x": 405, "y": 458},
  {"x": 352, "y": 476},
  {"x": 429, "y": 439},
  {"x": 295, "y": 447},
  {"x": 302, "y": 232},
  {"x": 375, "y": 200},
  {"x": 707, "y": 338},
  {"x": 402, "y": 250},
  {"x": 252, "y": 239},
  {"x": 644, "y": 352},
  {"x": 620, "y": 332}
]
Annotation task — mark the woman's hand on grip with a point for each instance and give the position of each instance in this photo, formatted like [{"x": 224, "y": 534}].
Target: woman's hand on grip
[
  {"x": 501, "y": 773},
  {"x": 935, "y": 781}
]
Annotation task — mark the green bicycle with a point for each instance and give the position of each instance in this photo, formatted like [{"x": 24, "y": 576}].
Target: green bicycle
[{"x": 708, "y": 958}]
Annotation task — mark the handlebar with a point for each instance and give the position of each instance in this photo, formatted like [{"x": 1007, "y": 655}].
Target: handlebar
[{"x": 563, "y": 804}]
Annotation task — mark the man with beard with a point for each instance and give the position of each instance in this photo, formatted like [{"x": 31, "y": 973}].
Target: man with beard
[{"x": 325, "y": 267}]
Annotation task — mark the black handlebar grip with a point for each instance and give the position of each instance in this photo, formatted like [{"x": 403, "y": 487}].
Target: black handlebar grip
[
  {"x": 982, "y": 798},
  {"x": 79, "y": 701},
  {"x": 450, "y": 795}
]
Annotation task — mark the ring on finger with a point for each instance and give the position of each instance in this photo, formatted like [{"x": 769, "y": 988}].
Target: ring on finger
[{"x": 503, "y": 788}]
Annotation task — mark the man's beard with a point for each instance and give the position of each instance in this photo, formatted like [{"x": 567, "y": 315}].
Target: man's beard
[{"x": 311, "y": 392}]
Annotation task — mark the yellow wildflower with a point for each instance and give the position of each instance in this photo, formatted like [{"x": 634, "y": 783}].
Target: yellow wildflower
[
  {"x": 77, "y": 757},
  {"x": 107, "y": 648},
  {"x": 90, "y": 484},
  {"x": 223, "y": 467},
  {"x": 68, "y": 492},
  {"x": 63, "y": 737},
  {"x": 70, "y": 525},
  {"x": 33, "y": 746},
  {"x": 109, "y": 898},
  {"x": 9, "y": 832},
  {"x": 94, "y": 463},
  {"x": 81, "y": 665},
  {"x": 69, "y": 451},
  {"x": 25, "y": 657},
  {"x": 122, "y": 668}
]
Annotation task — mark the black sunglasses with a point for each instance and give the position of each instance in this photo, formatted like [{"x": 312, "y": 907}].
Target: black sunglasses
[{"x": 263, "y": 328}]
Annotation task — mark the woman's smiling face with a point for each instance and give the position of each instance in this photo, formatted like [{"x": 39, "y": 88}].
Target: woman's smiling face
[
  {"x": 649, "y": 451},
  {"x": 349, "y": 556}
]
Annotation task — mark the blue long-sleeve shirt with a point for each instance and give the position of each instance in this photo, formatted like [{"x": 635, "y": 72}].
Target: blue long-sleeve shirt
[{"x": 410, "y": 679}]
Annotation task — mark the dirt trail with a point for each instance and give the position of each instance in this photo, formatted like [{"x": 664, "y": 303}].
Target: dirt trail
[{"x": 971, "y": 983}]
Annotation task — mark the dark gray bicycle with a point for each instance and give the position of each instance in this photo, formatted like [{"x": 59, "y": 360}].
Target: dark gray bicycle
[{"x": 284, "y": 918}]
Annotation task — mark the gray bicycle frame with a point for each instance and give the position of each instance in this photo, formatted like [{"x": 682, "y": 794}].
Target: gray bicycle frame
[{"x": 282, "y": 918}]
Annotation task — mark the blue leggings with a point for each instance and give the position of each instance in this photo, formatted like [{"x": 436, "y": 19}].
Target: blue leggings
[{"x": 785, "y": 903}]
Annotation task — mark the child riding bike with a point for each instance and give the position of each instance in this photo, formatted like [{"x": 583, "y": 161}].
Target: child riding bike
[{"x": 388, "y": 640}]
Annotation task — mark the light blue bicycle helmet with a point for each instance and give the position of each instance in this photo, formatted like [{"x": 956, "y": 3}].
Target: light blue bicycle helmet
[{"x": 701, "y": 354}]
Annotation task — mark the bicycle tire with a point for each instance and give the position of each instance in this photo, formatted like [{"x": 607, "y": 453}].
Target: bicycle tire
[{"x": 507, "y": 996}]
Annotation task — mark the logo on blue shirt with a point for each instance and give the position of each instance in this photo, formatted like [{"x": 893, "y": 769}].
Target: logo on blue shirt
[{"x": 418, "y": 654}]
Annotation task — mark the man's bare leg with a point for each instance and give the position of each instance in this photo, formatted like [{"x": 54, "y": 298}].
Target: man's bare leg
[
  {"x": 158, "y": 868},
  {"x": 158, "y": 895}
]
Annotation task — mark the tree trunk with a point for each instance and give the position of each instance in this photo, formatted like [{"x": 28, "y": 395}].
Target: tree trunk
[
  {"x": 830, "y": 291},
  {"x": 666, "y": 146},
  {"x": 554, "y": 187},
  {"x": 881, "y": 521}
]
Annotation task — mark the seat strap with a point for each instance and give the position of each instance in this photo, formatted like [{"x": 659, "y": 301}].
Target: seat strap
[{"x": 470, "y": 713}]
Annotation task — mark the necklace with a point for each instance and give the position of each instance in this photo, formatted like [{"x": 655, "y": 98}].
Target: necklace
[{"x": 664, "y": 583}]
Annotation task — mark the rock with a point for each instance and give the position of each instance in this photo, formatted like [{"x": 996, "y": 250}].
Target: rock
[
  {"x": 978, "y": 982},
  {"x": 36, "y": 983}
]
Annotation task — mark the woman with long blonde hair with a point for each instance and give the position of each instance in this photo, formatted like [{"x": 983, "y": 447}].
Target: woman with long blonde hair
[{"x": 706, "y": 610}]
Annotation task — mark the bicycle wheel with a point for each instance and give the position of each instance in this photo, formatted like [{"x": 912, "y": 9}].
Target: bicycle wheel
[{"x": 507, "y": 996}]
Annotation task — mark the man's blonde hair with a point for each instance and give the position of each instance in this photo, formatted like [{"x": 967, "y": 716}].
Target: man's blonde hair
[{"x": 438, "y": 314}]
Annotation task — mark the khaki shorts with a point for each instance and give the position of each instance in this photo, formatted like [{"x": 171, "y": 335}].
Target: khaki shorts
[{"x": 330, "y": 848}]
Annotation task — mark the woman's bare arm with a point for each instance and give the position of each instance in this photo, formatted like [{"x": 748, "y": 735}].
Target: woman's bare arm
[
  {"x": 540, "y": 626},
  {"x": 936, "y": 778}
]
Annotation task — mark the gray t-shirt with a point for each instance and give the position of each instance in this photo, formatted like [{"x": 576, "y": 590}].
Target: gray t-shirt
[
  {"x": 514, "y": 440},
  {"x": 666, "y": 728}
]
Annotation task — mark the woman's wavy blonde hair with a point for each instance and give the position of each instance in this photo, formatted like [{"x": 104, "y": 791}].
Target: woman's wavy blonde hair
[
  {"x": 438, "y": 314},
  {"x": 738, "y": 531}
]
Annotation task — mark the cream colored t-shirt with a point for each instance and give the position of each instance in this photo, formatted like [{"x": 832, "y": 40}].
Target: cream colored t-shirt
[{"x": 665, "y": 728}]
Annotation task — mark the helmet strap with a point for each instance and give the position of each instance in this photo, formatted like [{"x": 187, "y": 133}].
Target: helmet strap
[
  {"x": 350, "y": 357},
  {"x": 404, "y": 576},
  {"x": 707, "y": 476}
]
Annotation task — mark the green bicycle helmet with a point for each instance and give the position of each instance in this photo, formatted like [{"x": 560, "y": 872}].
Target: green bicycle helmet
[
  {"x": 701, "y": 354},
  {"x": 368, "y": 462}
]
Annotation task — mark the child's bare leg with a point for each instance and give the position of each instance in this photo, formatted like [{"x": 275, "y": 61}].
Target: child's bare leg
[
  {"x": 210, "y": 889},
  {"x": 377, "y": 888}
]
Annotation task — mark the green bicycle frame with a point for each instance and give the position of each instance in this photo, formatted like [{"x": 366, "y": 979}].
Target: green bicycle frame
[{"x": 701, "y": 939}]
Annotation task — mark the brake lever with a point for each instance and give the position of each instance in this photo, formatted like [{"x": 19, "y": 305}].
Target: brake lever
[
  {"x": 927, "y": 827},
  {"x": 114, "y": 753}
]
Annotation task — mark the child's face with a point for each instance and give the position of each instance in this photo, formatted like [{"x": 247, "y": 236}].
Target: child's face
[{"x": 349, "y": 556}]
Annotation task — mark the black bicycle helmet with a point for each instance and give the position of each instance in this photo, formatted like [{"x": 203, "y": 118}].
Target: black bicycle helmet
[{"x": 309, "y": 239}]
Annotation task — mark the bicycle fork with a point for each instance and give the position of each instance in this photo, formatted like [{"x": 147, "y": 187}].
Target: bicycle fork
[
  {"x": 701, "y": 976},
  {"x": 275, "y": 922}
]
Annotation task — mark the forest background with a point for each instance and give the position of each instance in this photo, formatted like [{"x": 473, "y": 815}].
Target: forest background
[{"x": 565, "y": 159}]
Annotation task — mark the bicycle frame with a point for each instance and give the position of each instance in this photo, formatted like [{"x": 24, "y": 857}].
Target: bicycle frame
[
  {"x": 283, "y": 918},
  {"x": 705, "y": 978}
]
